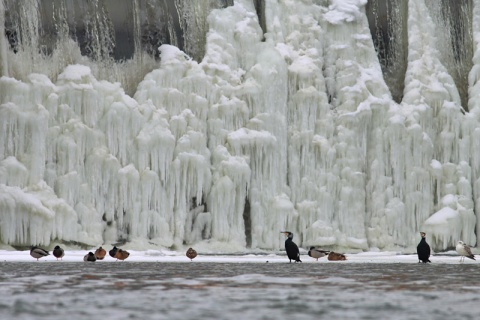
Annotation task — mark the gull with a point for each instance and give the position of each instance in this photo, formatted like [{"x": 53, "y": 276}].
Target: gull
[{"x": 464, "y": 251}]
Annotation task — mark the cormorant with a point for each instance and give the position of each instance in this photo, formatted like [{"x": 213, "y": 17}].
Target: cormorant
[
  {"x": 292, "y": 249},
  {"x": 191, "y": 253},
  {"x": 464, "y": 251},
  {"x": 90, "y": 257},
  {"x": 423, "y": 249},
  {"x": 100, "y": 253},
  {"x": 58, "y": 252},
  {"x": 317, "y": 253}
]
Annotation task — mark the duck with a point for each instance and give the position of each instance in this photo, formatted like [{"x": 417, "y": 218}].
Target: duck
[
  {"x": 58, "y": 252},
  {"x": 100, "y": 253},
  {"x": 423, "y": 249},
  {"x": 90, "y": 257},
  {"x": 292, "y": 249},
  {"x": 38, "y": 252},
  {"x": 113, "y": 252},
  {"x": 317, "y": 253},
  {"x": 191, "y": 253},
  {"x": 334, "y": 256},
  {"x": 464, "y": 251},
  {"x": 122, "y": 254}
]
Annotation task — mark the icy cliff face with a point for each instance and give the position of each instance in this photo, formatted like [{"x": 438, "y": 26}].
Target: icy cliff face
[{"x": 293, "y": 129}]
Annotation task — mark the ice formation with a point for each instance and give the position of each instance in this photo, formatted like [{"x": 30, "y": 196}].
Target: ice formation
[{"x": 288, "y": 128}]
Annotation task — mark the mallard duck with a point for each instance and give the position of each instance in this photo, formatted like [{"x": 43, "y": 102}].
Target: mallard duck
[
  {"x": 292, "y": 249},
  {"x": 333, "y": 256},
  {"x": 122, "y": 254},
  {"x": 423, "y": 249},
  {"x": 100, "y": 253},
  {"x": 113, "y": 252},
  {"x": 317, "y": 253},
  {"x": 191, "y": 253},
  {"x": 38, "y": 252},
  {"x": 464, "y": 251},
  {"x": 89, "y": 257},
  {"x": 58, "y": 252}
]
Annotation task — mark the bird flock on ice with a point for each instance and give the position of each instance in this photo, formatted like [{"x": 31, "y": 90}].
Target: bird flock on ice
[
  {"x": 100, "y": 253},
  {"x": 291, "y": 248}
]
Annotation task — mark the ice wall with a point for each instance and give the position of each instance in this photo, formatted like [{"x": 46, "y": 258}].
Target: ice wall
[{"x": 293, "y": 129}]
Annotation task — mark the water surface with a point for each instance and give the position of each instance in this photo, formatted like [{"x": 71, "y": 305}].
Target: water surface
[{"x": 207, "y": 290}]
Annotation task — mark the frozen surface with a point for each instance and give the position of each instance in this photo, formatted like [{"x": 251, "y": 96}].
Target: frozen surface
[{"x": 166, "y": 285}]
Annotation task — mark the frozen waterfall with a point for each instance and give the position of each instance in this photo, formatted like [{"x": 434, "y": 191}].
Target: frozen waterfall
[{"x": 353, "y": 125}]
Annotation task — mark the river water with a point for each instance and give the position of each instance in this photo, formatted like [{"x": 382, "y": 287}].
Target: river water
[{"x": 208, "y": 290}]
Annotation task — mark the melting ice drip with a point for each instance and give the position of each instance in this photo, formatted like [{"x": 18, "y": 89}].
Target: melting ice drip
[{"x": 282, "y": 124}]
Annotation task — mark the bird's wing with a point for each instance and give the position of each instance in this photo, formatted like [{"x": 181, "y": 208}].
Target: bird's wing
[
  {"x": 467, "y": 250},
  {"x": 41, "y": 251},
  {"x": 321, "y": 251}
]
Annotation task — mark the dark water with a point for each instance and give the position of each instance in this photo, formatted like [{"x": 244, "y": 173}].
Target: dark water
[{"x": 147, "y": 290}]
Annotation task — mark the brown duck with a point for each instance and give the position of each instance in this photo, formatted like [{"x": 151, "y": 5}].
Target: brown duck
[
  {"x": 100, "y": 253},
  {"x": 122, "y": 254},
  {"x": 191, "y": 253},
  {"x": 333, "y": 256}
]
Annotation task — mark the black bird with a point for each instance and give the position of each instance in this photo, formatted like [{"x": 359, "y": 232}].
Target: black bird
[
  {"x": 292, "y": 249},
  {"x": 89, "y": 257},
  {"x": 38, "y": 252},
  {"x": 423, "y": 249},
  {"x": 113, "y": 252},
  {"x": 58, "y": 252}
]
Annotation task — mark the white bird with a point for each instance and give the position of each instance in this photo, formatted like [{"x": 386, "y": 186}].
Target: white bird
[{"x": 464, "y": 251}]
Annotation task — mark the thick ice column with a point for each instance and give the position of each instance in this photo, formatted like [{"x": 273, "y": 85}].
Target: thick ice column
[
  {"x": 180, "y": 92},
  {"x": 474, "y": 108},
  {"x": 360, "y": 96},
  {"x": 433, "y": 100},
  {"x": 294, "y": 29},
  {"x": 252, "y": 77}
]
